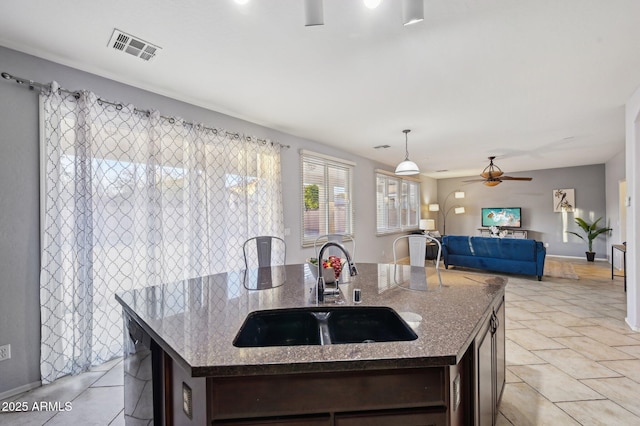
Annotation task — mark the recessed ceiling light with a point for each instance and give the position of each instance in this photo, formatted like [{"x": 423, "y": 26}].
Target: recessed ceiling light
[{"x": 372, "y": 4}]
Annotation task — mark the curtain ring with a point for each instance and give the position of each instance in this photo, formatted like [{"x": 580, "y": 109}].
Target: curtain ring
[
  {"x": 172, "y": 120},
  {"x": 119, "y": 107}
]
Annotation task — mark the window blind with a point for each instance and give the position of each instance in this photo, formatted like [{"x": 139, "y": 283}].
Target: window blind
[{"x": 327, "y": 206}]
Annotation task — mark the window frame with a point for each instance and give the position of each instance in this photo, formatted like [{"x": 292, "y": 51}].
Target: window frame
[
  {"x": 404, "y": 222},
  {"x": 327, "y": 162}
]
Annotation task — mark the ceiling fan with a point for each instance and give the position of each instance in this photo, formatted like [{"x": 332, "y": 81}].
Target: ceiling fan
[{"x": 492, "y": 175}]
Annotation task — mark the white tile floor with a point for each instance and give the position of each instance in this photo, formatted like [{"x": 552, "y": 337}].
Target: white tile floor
[
  {"x": 95, "y": 397},
  {"x": 571, "y": 360}
]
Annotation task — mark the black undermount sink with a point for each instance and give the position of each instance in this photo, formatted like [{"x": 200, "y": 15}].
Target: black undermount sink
[{"x": 322, "y": 326}]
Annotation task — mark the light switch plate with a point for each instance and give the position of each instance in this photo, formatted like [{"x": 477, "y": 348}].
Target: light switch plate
[
  {"x": 187, "y": 400},
  {"x": 5, "y": 352},
  {"x": 456, "y": 392}
]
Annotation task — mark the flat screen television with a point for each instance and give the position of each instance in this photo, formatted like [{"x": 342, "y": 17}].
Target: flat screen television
[{"x": 502, "y": 217}]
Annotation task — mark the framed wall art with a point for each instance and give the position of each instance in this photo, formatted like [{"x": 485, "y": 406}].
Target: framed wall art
[{"x": 564, "y": 200}]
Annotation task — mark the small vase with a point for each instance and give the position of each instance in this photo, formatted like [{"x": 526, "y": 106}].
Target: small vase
[{"x": 591, "y": 255}]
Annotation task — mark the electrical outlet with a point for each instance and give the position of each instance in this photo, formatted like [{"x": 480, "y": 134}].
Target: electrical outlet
[{"x": 5, "y": 352}]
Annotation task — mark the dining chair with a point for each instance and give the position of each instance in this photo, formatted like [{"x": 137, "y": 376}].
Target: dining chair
[{"x": 418, "y": 250}]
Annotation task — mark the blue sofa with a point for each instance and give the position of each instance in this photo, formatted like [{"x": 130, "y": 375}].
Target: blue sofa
[{"x": 511, "y": 255}]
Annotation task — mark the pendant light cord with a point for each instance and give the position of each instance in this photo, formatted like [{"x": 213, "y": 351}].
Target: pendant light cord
[{"x": 406, "y": 144}]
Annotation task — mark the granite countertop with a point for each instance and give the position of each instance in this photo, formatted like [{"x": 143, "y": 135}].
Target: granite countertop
[{"x": 195, "y": 321}]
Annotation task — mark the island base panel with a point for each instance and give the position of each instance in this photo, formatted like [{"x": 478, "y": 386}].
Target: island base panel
[{"x": 283, "y": 395}]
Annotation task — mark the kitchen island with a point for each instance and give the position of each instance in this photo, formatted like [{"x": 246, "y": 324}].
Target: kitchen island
[{"x": 453, "y": 373}]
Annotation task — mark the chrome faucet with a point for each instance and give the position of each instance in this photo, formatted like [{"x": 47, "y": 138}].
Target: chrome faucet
[{"x": 352, "y": 266}]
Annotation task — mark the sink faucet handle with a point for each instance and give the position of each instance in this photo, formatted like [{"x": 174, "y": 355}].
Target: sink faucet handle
[
  {"x": 320, "y": 288},
  {"x": 352, "y": 269}
]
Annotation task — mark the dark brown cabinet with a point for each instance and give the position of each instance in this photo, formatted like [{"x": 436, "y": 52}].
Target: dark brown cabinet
[
  {"x": 490, "y": 366},
  {"x": 398, "y": 417},
  {"x": 402, "y": 396}
]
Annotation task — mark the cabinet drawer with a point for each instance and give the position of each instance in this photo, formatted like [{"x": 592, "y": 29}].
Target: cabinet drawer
[
  {"x": 324, "y": 420},
  {"x": 263, "y": 396},
  {"x": 425, "y": 417}
]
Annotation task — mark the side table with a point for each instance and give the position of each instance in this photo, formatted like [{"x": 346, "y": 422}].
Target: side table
[
  {"x": 432, "y": 251},
  {"x": 623, "y": 249}
]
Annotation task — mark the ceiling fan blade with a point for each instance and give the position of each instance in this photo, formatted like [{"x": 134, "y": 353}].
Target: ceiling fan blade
[
  {"x": 474, "y": 180},
  {"x": 514, "y": 178}
]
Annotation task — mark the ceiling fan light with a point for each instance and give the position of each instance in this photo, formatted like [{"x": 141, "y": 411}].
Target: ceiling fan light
[
  {"x": 491, "y": 182},
  {"x": 407, "y": 168},
  {"x": 491, "y": 174},
  {"x": 372, "y": 4}
]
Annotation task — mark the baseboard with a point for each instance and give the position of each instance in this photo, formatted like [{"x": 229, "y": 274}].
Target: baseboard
[
  {"x": 631, "y": 326},
  {"x": 597, "y": 259},
  {"x": 21, "y": 389}
]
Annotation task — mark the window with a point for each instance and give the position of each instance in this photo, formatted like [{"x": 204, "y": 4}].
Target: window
[
  {"x": 397, "y": 203},
  {"x": 327, "y": 206}
]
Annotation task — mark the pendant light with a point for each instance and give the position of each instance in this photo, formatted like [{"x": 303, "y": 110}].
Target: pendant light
[
  {"x": 412, "y": 11},
  {"x": 313, "y": 13},
  {"x": 407, "y": 167}
]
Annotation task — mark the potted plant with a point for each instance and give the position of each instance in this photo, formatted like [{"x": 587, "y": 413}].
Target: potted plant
[{"x": 592, "y": 232}]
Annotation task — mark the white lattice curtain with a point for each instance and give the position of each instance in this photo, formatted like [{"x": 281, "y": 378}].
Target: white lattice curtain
[{"x": 133, "y": 199}]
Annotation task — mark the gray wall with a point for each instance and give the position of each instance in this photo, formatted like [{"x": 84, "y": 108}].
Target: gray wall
[
  {"x": 536, "y": 199},
  {"x": 19, "y": 235},
  {"x": 19, "y": 197}
]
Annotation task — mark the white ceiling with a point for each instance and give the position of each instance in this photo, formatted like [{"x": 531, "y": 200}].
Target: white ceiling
[{"x": 540, "y": 84}]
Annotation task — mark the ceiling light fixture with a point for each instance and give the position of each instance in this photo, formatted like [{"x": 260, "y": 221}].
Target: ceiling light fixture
[
  {"x": 372, "y": 4},
  {"x": 412, "y": 11},
  {"x": 407, "y": 167},
  {"x": 313, "y": 13}
]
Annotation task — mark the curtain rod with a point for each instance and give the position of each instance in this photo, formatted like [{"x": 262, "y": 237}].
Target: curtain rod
[{"x": 47, "y": 87}]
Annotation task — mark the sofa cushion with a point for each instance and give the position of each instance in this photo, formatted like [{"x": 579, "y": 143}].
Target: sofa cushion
[{"x": 504, "y": 248}]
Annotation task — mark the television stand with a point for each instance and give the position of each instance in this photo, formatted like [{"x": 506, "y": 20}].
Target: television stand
[{"x": 511, "y": 233}]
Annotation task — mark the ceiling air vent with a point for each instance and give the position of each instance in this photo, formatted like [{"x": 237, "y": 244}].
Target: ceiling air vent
[{"x": 133, "y": 45}]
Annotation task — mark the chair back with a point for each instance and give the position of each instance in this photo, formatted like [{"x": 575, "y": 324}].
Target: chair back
[
  {"x": 418, "y": 250},
  {"x": 264, "y": 250}
]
